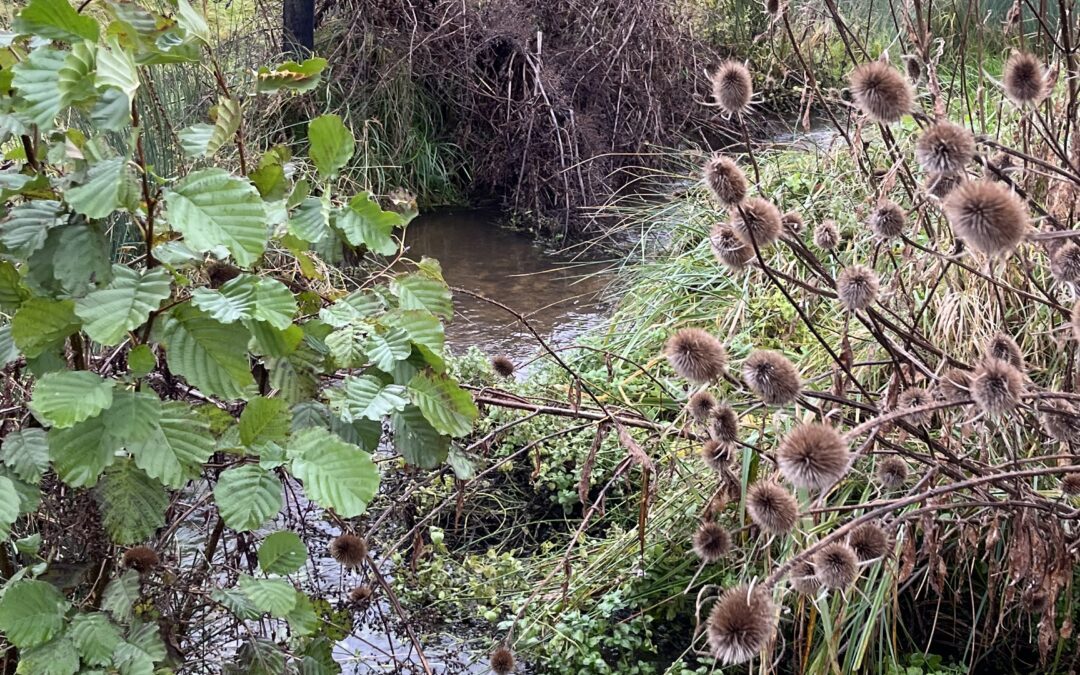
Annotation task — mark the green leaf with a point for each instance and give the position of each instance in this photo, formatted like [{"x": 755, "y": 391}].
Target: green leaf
[
  {"x": 112, "y": 112},
  {"x": 9, "y": 353},
  {"x": 141, "y": 649},
  {"x": 192, "y": 22},
  {"x": 120, "y": 596},
  {"x": 415, "y": 291},
  {"x": 133, "y": 504},
  {"x": 212, "y": 208},
  {"x": 366, "y": 397},
  {"x": 236, "y": 602},
  {"x": 31, "y": 613},
  {"x": 276, "y": 597},
  {"x": 12, "y": 292},
  {"x": 269, "y": 341},
  {"x": 364, "y": 222},
  {"x": 311, "y": 221},
  {"x": 298, "y": 77},
  {"x": 195, "y": 139},
  {"x": 75, "y": 79},
  {"x": 353, "y": 307},
  {"x": 53, "y": 270},
  {"x": 346, "y": 345},
  {"x": 141, "y": 360},
  {"x": 55, "y": 657},
  {"x": 226, "y": 123},
  {"x": 303, "y": 620},
  {"x": 257, "y": 657},
  {"x": 124, "y": 305},
  {"x": 41, "y": 323},
  {"x": 80, "y": 453},
  {"x": 282, "y": 553},
  {"x": 95, "y": 637},
  {"x": 274, "y": 303},
  {"x": 247, "y": 496},
  {"x": 27, "y": 453},
  {"x": 29, "y": 495},
  {"x": 448, "y": 407},
  {"x": 9, "y": 507},
  {"x": 133, "y": 417},
  {"x": 34, "y": 80},
  {"x": 417, "y": 441},
  {"x": 336, "y": 475},
  {"x": 296, "y": 376},
  {"x": 177, "y": 448},
  {"x": 116, "y": 68},
  {"x": 210, "y": 355},
  {"x": 100, "y": 194},
  {"x": 27, "y": 226},
  {"x": 234, "y": 301},
  {"x": 385, "y": 349},
  {"x": 332, "y": 144},
  {"x": 56, "y": 20},
  {"x": 264, "y": 420},
  {"x": 66, "y": 398}
]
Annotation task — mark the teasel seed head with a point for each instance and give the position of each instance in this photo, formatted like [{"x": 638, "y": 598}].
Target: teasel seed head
[
  {"x": 887, "y": 220},
  {"x": 792, "y": 222},
  {"x": 349, "y": 550},
  {"x": 1024, "y": 79},
  {"x": 826, "y": 235},
  {"x": 711, "y": 542},
  {"x": 1070, "y": 484},
  {"x": 502, "y": 661},
  {"x": 836, "y": 566},
  {"x": 701, "y": 405},
  {"x": 996, "y": 386},
  {"x": 726, "y": 180},
  {"x": 729, "y": 250},
  {"x": 988, "y": 217},
  {"x": 741, "y": 624},
  {"x": 759, "y": 218},
  {"x": 954, "y": 385},
  {"x": 1065, "y": 263},
  {"x": 142, "y": 559},
  {"x": 813, "y": 456},
  {"x": 696, "y": 355},
  {"x": 913, "y": 65},
  {"x": 857, "y": 287},
  {"x": 912, "y": 398},
  {"x": 771, "y": 376},
  {"x": 892, "y": 472},
  {"x": 732, "y": 87},
  {"x": 1003, "y": 347},
  {"x": 1060, "y": 421},
  {"x": 503, "y": 366},
  {"x": 716, "y": 454},
  {"x": 724, "y": 425},
  {"x": 869, "y": 542},
  {"x": 881, "y": 92},
  {"x": 771, "y": 507},
  {"x": 803, "y": 578},
  {"x": 360, "y": 594},
  {"x": 945, "y": 148}
]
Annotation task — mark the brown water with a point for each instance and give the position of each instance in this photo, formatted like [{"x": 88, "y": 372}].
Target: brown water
[{"x": 560, "y": 297}]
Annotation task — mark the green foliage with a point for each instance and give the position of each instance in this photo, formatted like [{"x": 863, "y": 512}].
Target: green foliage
[{"x": 282, "y": 553}]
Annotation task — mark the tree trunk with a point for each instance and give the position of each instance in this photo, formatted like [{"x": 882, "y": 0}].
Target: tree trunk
[{"x": 299, "y": 23}]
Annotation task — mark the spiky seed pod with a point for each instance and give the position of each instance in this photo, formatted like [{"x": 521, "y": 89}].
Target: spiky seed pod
[
  {"x": 988, "y": 217},
  {"x": 857, "y": 287},
  {"x": 1065, "y": 263},
  {"x": 792, "y": 222},
  {"x": 503, "y": 366},
  {"x": 729, "y": 250},
  {"x": 1075, "y": 320},
  {"x": 716, "y": 454},
  {"x": 1003, "y": 347},
  {"x": 359, "y": 594},
  {"x": 696, "y": 356},
  {"x": 887, "y": 220},
  {"x": 813, "y": 456},
  {"x": 725, "y": 179},
  {"x": 996, "y": 386},
  {"x": 945, "y": 148},
  {"x": 771, "y": 507},
  {"x": 892, "y": 472},
  {"x": 826, "y": 235},
  {"x": 941, "y": 184},
  {"x": 1024, "y": 79},
  {"x": 954, "y": 385},
  {"x": 912, "y": 398},
  {"x": 1061, "y": 422},
  {"x": 502, "y": 661},
  {"x": 725, "y": 424},
  {"x": 759, "y": 218},
  {"x": 1070, "y": 484},
  {"x": 881, "y": 92},
  {"x": 803, "y": 578},
  {"x": 142, "y": 559},
  {"x": 732, "y": 87},
  {"x": 741, "y": 624},
  {"x": 772, "y": 377},
  {"x": 349, "y": 550},
  {"x": 701, "y": 405},
  {"x": 836, "y": 566},
  {"x": 868, "y": 541},
  {"x": 711, "y": 542},
  {"x": 913, "y": 66}
]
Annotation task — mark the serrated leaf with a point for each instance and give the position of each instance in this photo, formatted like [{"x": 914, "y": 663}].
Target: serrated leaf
[
  {"x": 346, "y": 345},
  {"x": 133, "y": 504},
  {"x": 9, "y": 507},
  {"x": 29, "y": 495},
  {"x": 56, "y": 20},
  {"x": 276, "y": 597},
  {"x": 236, "y": 602},
  {"x": 332, "y": 144},
  {"x": 257, "y": 657},
  {"x": 40, "y": 324},
  {"x": 336, "y": 475},
  {"x": 311, "y": 221},
  {"x": 225, "y": 125},
  {"x": 12, "y": 292},
  {"x": 34, "y": 80},
  {"x": 353, "y": 307},
  {"x": 27, "y": 453},
  {"x": 27, "y": 226},
  {"x": 282, "y": 553},
  {"x": 195, "y": 139},
  {"x": 212, "y": 208},
  {"x": 133, "y": 417},
  {"x": 385, "y": 349},
  {"x": 140, "y": 650},
  {"x": 31, "y": 613},
  {"x": 364, "y": 222},
  {"x": 141, "y": 360},
  {"x": 80, "y": 453},
  {"x": 112, "y": 112},
  {"x": 415, "y": 291},
  {"x": 192, "y": 22},
  {"x": 269, "y": 341},
  {"x": 116, "y": 68},
  {"x": 296, "y": 375},
  {"x": 366, "y": 397},
  {"x": 264, "y": 420},
  {"x": 247, "y": 496},
  {"x": 75, "y": 79},
  {"x": 100, "y": 194},
  {"x": 234, "y": 301},
  {"x": 178, "y": 446},
  {"x": 448, "y": 407},
  {"x": 120, "y": 595},
  {"x": 210, "y": 355},
  {"x": 274, "y": 303},
  {"x": 302, "y": 618},
  {"x": 298, "y": 77},
  {"x": 417, "y": 441},
  {"x": 53, "y": 270},
  {"x": 55, "y": 657},
  {"x": 95, "y": 637},
  {"x": 124, "y": 305},
  {"x": 66, "y": 398}
]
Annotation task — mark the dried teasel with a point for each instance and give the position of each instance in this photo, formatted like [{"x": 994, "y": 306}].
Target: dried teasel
[
  {"x": 696, "y": 355},
  {"x": 857, "y": 287},
  {"x": 142, "y": 559},
  {"x": 756, "y": 221},
  {"x": 988, "y": 217},
  {"x": 891, "y": 472},
  {"x": 869, "y": 542},
  {"x": 996, "y": 386},
  {"x": 945, "y": 148},
  {"x": 912, "y": 398},
  {"x": 701, "y": 405},
  {"x": 887, "y": 220},
  {"x": 724, "y": 425},
  {"x": 803, "y": 578},
  {"x": 954, "y": 385},
  {"x": 360, "y": 594},
  {"x": 349, "y": 550},
  {"x": 502, "y": 661},
  {"x": 771, "y": 507},
  {"x": 725, "y": 179},
  {"x": 716, "y": 454},
  {"x": 1060, "y": 421},
  {"x": 729, "y": 250},
  {"x": 813, "y": 456},
  {"x": 741, "y": 624},
  {"x": 771, "y": 376},
  {"x": 1024, "y": 79},
  {"x": 826, "y": 235},
  {"x": 913, "y": 66},
  {"x": 711, "y": 542},
  {"x": 732, "y": 87},
  {"x": 881, "y": 91},
  {"x": 1070, "y": 484},
  {"x": 792, "y": 222},
  {"x": 503, "y": 366},
  {"x": 836, "y": 566},
  {"x": 1065, "y": 263},
  {"x": 1001, "y": 346}
]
